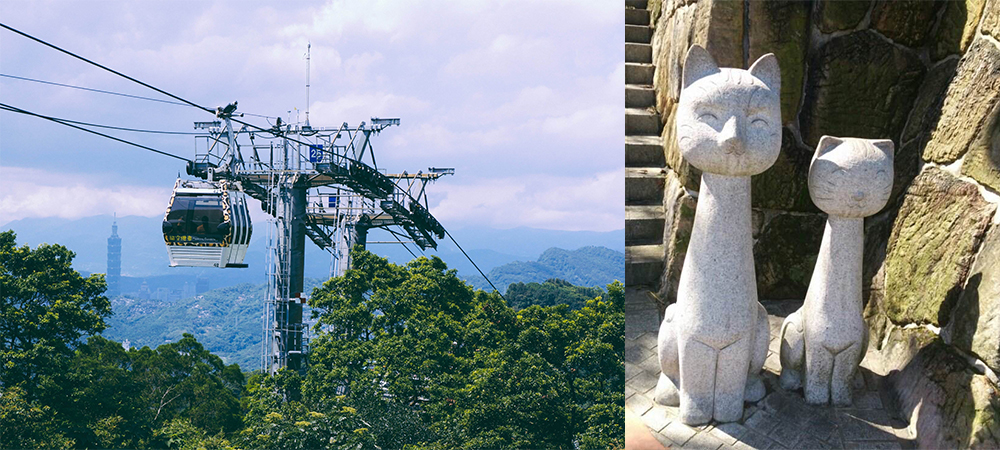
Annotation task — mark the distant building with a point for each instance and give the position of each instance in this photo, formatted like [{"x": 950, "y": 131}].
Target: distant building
[
  {"x": 114, "y": 276},
  {"x": 202, "y": 286},
  {"x": 144, "y": 290}
]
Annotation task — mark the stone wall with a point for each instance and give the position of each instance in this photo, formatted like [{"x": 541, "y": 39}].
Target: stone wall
[{"x": 925, "y": 74}]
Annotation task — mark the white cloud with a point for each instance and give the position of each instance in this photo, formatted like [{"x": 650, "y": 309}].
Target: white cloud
[
  {"x": 561, "y": 203},
  {"x": 38, "y": 193},
  {"x": 523, "y": 95},
  {"x": 357, "y": 107}
]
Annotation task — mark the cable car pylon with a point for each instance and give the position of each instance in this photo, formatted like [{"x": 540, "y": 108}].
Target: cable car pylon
[{"x": 320, "y": 183}]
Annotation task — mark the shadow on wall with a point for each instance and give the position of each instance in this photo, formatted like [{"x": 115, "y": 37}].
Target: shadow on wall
[{"x": 933, "y": 391}]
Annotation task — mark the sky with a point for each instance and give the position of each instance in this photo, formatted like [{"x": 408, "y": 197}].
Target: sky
[{"x": 523, "y": 98}]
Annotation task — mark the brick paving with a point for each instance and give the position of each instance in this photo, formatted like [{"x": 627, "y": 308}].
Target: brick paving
[{"x": 781, "y": 420}]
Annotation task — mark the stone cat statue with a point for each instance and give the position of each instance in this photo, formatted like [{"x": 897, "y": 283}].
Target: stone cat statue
[
  {"x": 823, "y": 342},
  {"x": 713, "y": 341}
]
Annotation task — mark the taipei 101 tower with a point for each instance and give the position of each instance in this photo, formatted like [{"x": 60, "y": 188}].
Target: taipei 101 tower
[{"x": 114, "y": 262}]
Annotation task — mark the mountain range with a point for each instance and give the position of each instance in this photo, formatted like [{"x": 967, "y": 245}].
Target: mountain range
[
  {"x": 589, "y": 266},
  {"x": 144, "y": 255}
]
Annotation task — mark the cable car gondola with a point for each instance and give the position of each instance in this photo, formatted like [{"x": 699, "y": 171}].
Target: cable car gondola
[{"x": 207, "y": 224}]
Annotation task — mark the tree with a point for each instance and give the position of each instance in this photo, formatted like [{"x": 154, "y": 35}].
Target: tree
[
  {"x": 550, "y": 293},
  {"x": 25, "y": 426},
  {"x": 274, "y": 422},
  {"x": 459, "y": 368},
  {"x": 183, "y": 380},
  {"x": 45, "y": 308},
  {"x": 97, "y": 400}
]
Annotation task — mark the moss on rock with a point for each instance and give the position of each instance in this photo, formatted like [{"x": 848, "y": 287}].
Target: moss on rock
[
  {"x": 785, "y": 255},
  {"x": 907, "y": 22},
  {"x": 782, "y": 28},
  {"x": 859, "y": 85},
  {"x": 972, "y": 94},
  {"x": 838, "y": 15},
  {"x": 957, "y": 27},
  {"x": 975, "y": 326},
  {"x": 934, "y": 238},
  {"x": 784, "y": 186}
]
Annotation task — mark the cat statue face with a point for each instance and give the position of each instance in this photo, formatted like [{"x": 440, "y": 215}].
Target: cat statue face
[
  {"x": 851, "y": 177},
  {"x": 729, "y": 120}
]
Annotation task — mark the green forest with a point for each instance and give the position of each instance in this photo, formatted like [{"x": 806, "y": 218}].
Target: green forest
[{"x": 402, "y": 357}]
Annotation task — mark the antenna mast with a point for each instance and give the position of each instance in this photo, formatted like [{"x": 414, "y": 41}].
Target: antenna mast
[{"x": 308, "y": 55}]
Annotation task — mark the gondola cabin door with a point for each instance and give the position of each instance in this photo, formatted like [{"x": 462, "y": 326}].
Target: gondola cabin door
[{"x": 206, "y": 225}]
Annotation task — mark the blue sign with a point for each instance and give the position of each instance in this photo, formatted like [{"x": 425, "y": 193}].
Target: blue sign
[{"x": 315, "y": 153}]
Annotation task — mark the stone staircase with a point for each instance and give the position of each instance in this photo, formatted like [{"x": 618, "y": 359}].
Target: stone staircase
[{"x": 644, "y": 160}]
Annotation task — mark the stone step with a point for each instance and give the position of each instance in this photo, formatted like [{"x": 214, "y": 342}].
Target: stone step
[
  {"x": 637, "y": 4},
  {"x": 641, "y": 121},
  {"x": 643, "y": 265},
  {"x": 644, "y": 151},
  {"x": 644, "y": 225},
  {"x": 638, "y": 33},
  {"x": 638, "y": 53},
  {"x": 641, "y": 74},
  {"x": 644, "y": 185},
  {"x": 639, "y": 96},
  {"x": 636, "y": 17}
]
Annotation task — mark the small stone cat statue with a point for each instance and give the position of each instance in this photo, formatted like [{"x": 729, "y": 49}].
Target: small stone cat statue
[
  {"x": 823, "y": 342},
  {"x": 713, "y": 341}
]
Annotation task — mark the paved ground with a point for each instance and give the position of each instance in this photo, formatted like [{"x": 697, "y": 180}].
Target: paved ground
[{"x": 781, "y": 420}]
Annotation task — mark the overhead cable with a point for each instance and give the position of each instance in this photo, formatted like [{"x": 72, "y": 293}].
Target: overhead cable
[
  {"x": 474, "y": 264},
  {"x": 112, "y": 92},
  {"x": 92, "y": 89},
  {"x": 10, "y": 108},
  {"x": 208, "y": 110},
  {"x": 105, "y": 68},
  {"x": 136, "y": 130}
]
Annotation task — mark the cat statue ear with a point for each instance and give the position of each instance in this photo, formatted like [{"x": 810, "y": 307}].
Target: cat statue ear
[
  {"x": 827, "y": 143},
  {"x": 766, "y": 69},
  {"x": 885, "y": 145},
  {"x": 698, "y": 64}
]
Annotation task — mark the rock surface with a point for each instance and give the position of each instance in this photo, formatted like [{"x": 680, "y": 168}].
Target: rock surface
[
  {"x": 972, "y": 94},
  {"x": 688, "y": 175},
  {"x": 957, "y": 27},
  {"x": 934, "y": 239},
  {"x": 785, "y": 255},
  {"x": 975, "y": 326},
  {"x": 783, "y": 186},
  {"x": 907, "y": 22},
  {"x": 923, "y": 119},
  {"x": 991, "y": 19},
  {"x": 716, "y": 25},
  {"x": 837, "y": 15},
  {"x": 782, "y": 27},
  {"x": 949, "y": 405},
  {"x": 982, "y": 162},
  {"x": 680, "y": 208},
  {"x": 859, "y": 85}
]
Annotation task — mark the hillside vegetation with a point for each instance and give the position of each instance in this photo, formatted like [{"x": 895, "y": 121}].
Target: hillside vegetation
[
  {"x": 227, "y": 321},
  {"x": 403, "y": 357},
  {"x": 550, "y": 293}
]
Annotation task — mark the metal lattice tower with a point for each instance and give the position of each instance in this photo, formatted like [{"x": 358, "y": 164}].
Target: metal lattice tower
[{"x": 320, "y": 183}]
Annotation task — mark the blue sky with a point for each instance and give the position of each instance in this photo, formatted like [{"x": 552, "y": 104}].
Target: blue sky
[{"x": 523, "y": 98}]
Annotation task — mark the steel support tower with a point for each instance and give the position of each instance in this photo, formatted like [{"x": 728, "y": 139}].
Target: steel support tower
[{"x": 320, "y": 183}]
